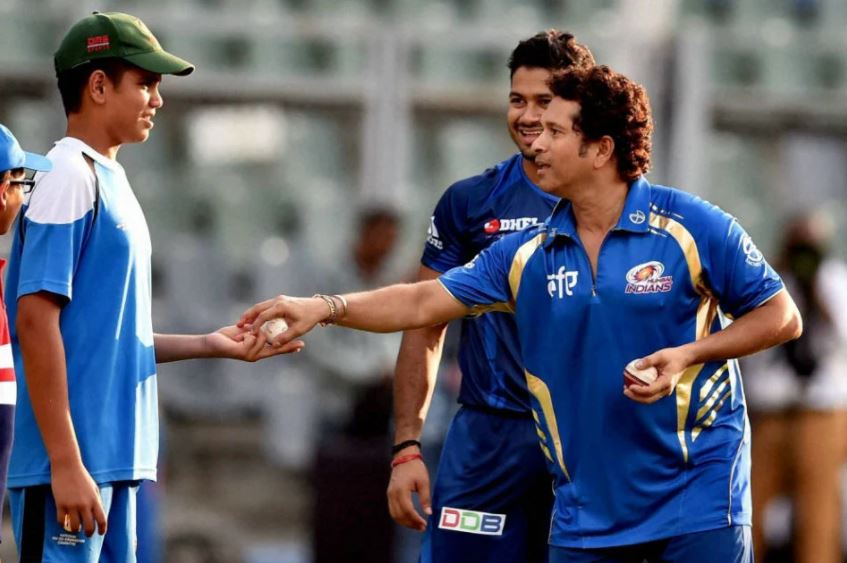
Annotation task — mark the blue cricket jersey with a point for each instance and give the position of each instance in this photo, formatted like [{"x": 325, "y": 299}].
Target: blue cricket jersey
[
  {"x": 102, "y": 268},
  {"x": 470, "y": 216},
  {"x": 670, "y": 272}
]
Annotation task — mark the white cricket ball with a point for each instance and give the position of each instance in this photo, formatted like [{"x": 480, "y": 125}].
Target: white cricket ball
[
  {"x": 634, "y": 376},
  {"x": 274, "y": 328}
]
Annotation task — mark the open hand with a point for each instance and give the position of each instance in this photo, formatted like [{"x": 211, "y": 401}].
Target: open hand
[{"x": 241, "y": 344}]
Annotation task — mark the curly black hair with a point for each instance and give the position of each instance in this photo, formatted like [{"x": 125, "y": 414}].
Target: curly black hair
[
  {"x": 551, "y": 49},
  {"x": 611, "y": 105}
]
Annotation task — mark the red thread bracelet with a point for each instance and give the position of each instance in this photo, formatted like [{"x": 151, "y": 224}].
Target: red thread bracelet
[{"x": 405, "y": 458}]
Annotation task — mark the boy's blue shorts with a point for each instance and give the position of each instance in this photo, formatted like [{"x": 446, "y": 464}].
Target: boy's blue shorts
[{"x": 41, "y": 537}]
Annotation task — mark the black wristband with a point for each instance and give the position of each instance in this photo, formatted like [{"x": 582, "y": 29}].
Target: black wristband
[{"x": 403, "y": 445}]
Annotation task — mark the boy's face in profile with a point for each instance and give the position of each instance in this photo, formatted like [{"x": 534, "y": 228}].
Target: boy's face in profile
[
  {"x": 11, "y": 197},
  {"x": 131, "y": 105}
]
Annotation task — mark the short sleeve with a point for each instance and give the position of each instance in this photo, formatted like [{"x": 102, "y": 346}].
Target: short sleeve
[
  {"x": 483, "y": 283},
  {"x": 56, "y": 223},
  {"x": 445, "y": 245},
  {"x": 737, "y": 272}
]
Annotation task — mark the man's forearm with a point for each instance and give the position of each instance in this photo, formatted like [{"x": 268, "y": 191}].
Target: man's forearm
[
  {"x": 414, "y": 380},
  {"x": 401, "y": 307},
  {"x": 773, "y": 323}
]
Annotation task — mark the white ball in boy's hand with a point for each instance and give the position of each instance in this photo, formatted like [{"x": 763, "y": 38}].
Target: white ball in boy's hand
[{"x": 274, "y": 328}]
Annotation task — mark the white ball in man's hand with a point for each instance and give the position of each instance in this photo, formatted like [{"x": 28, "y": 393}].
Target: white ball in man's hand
[
  {"x": 274, "y": 328},
  {"x": 634, "y": 376}
]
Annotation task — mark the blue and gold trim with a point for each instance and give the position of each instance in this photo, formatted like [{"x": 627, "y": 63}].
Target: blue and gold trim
[
  {"x": 478, "y": 310},
  {"x": 706, "y": 312},
  {"x": 541, "y": 393},
  {"x": 519, "y": 261}
]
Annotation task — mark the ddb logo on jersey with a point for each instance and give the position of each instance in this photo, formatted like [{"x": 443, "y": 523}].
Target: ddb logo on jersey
[{"x": 472, "y": 522}]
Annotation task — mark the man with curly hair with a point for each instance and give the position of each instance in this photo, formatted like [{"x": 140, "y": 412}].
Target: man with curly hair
[
  {"x": 490, "y": 462},
  {"x": 622, "y": 270}
]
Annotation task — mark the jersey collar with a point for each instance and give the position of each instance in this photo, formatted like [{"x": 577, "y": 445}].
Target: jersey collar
[
  {"x": 634, "y": 218},
  {"x": 78, "y": 144},
  {"x": 636, "y": 209}
]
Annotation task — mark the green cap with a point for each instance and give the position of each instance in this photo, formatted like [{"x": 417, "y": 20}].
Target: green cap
[{"x": 116, "y": 35}]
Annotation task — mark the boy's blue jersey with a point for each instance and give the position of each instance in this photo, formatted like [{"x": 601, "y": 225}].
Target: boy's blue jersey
[
  {"x": 669, "y": 273},
  {"x": 470, "y": 216},
  {"x": 96, "y": 257}
]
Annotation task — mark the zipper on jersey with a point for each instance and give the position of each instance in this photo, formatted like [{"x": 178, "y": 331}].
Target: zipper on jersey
[{"x": 594, "y": 275}]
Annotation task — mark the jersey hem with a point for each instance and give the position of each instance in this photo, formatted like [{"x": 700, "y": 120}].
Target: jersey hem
[
  {"x": 620, "y": 540},
  {"x": 507, "y": 412},
  {"x": 450, "y": 293},
  {"x": 100, "y": 477},
  {"x": 57, "y": 287}
]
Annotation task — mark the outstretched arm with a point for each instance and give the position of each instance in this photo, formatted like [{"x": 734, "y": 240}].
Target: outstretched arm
[
  {"x": 227, "y": 342},
  {"x": 389, "y": 309}
]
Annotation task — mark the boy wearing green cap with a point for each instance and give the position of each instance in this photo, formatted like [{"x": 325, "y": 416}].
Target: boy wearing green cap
[
  {"x": 14, "y": 163},
  {"x": 79, "y": 289}
]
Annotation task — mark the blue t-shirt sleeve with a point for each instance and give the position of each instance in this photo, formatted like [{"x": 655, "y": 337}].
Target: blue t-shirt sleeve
[
  {"x": 56, "y": 224},
  {"x": 446, "y": 243},
  {"x": 738, "y": 273},
  {"x": 483, "y": 283}
]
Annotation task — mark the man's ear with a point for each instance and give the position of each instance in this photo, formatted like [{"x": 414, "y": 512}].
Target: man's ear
[
  {"x": 96, "y": 89},
  {"x": 605, "y": 151}
]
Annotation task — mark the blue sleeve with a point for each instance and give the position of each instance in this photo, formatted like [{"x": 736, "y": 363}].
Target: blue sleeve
[
  {"x": 51, "y": 253},
  {"x": 737, "y": 272},
  {"x": 446, "y": 243},
  {"x": 483, "y": 283},
  {"x": 56, "y": 223}
]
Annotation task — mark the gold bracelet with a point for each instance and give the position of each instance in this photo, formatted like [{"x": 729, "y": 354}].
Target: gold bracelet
[
  {"x": 343, "y": 305},
  {"x": 333, "y": 311}
]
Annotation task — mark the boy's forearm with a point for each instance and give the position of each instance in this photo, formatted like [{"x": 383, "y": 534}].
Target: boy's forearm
[
  {"x": 175, "y": 347},
  {"x": 45, "y": 371}
]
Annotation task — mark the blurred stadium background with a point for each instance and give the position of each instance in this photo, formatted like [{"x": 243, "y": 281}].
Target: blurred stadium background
[{"x": 303, "y": 111}]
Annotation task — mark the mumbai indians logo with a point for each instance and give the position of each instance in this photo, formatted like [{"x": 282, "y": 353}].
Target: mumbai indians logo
[
  {"x": 472, "y": 522},
  {"x": 432, "y": 235},
  {"x": 647, "y": 278}
]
